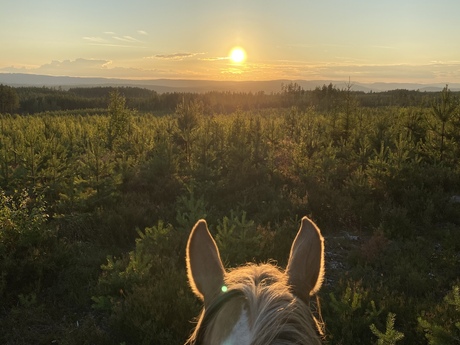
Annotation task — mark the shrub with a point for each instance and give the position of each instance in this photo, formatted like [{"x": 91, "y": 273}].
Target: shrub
[
  {"x": 146, "y": 292},
  {"x": 349, "y": 315},
  {"x": 237, "y": 239},
  {"x": 391, "y": 336},
  {"x": 442, "y": 326},
  {"x": 27, "y": 246}
]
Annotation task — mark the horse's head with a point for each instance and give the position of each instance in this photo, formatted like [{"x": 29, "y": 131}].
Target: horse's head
[{"x": 256, "y": 304}]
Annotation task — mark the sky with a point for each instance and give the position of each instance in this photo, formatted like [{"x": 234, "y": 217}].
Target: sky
[{"x": 362, "y": 40}]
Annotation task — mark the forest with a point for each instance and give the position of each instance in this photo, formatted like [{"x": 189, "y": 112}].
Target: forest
[
  {"x": 32, "y": 100},
  {"x": 100, "y": 188}
]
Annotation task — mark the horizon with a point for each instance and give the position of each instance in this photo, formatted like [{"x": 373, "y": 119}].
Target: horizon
[
  {"x": 391, "y": 42},
  {"x": 202, "y": 85}
]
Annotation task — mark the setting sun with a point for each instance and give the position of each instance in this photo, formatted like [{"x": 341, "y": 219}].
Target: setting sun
[{"x": 237, "y": 55}]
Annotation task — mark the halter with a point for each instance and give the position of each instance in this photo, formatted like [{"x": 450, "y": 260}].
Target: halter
[{"x": 212, "y": 310}]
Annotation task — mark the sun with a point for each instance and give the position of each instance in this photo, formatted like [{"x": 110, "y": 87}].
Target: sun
[{"x": 237, "y": 55}]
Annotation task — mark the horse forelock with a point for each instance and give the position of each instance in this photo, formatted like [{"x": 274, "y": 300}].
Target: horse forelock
[{"x": 268, "y": 312}]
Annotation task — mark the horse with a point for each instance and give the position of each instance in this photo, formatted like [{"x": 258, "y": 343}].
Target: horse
[{"x": 256, "y": 304}]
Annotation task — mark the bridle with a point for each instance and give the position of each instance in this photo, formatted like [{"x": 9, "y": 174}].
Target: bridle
[{"x": 212, "y": 310}]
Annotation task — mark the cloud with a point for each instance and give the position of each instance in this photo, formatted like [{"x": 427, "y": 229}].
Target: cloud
[
  {"x": 81, "y": 67},
  {"x": 217, "y": 58},
  {"x": 374, "y": 72},
  {"x": 126, "y": 39},
  {"x": 175, "y": 56},
  {"x": 94, "y": 39},
  {"x": 114, "y": 40},
  {"x": 166, "y": 66},
  {"x": 80, "y": 62},
  {"x": 78, "y": 67},
  {"x": 142, "y": 32}
]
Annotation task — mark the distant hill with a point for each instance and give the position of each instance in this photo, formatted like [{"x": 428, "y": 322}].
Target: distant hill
[{"x": 177, "y": 85}]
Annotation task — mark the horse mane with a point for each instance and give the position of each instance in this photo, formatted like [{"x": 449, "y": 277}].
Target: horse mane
[{"x": 275, "y": 314}]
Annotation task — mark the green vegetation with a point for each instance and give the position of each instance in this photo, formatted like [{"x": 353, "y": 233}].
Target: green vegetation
[
  {"x": 9, "y": 99},
  {"x": 93, "y": 100},
  {"x": 96, "y": 207}
]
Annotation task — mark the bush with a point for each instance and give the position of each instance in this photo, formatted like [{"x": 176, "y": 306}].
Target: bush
[
  {"x": 237, "y": 239},
  {"x": 27, "y": 246},
  {"x": 348, "y": 314},
  {"x": 442, "y": 325},
  {"x": 391, "y": 336},
  {"x": 145, "y": 292}
]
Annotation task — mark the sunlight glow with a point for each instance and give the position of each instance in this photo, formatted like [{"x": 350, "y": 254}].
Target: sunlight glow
[{"x": 237, "y": 55}]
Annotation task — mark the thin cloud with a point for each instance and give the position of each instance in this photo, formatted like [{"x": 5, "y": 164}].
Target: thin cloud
[
  {"x": 77, "y": 67},
  {"x": 217, "y": 58},
  {"x": 94, "y": 39},
  {"x": 175, "y": 56},
  {"x": 126, "y": 39},
  {"x": 119, "y": 41},
  {"x": 113, "y": 45},
  {"x": 81, "y": 67},
  {"x": 78, "y": 63},
  {"x": 142, "y": 32}
]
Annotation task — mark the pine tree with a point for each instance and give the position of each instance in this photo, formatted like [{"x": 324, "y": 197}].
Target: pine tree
[
  {"x": 187, "y": 123},
  {"x": 391, "y": 336},
  {"x": 119, "y": 119},
  {"x": 445, "y": 329},
  {"x": 443, "y": 109}
]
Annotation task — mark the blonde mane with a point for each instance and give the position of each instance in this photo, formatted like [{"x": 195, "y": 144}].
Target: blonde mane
[{"x": 276, "y": 316}]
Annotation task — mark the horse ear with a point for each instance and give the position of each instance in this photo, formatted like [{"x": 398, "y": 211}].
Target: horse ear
[
  {"x": 305, "y": 269},
  {"x": 204, "y": 266}
]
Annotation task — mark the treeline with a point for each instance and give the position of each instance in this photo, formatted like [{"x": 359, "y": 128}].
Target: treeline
[
  {"x": 32, "y": 100},
  {"x": 35, "y": 100}
]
